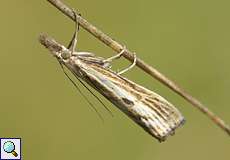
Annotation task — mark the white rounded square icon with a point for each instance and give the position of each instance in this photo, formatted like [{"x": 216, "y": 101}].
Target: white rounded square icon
[{"x": 10, "y": 149}]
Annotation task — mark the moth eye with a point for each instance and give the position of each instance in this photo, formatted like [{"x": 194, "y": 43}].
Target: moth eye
[{"x": 65, "y": 54}]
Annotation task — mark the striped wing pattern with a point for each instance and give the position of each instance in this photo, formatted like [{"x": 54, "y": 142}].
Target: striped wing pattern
[{"x": 148, "y": 109}]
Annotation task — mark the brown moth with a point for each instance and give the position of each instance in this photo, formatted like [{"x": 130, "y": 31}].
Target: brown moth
[{"x": 149, "y": 110}]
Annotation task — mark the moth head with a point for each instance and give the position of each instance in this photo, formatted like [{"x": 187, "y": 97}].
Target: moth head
[{"x": 59, "y": 51}]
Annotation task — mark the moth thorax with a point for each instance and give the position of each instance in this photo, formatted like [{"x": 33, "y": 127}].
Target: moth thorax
[{"x": 65, "y": 54}]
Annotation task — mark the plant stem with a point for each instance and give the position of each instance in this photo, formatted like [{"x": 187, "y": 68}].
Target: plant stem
[{"x": 140, "y": 63}]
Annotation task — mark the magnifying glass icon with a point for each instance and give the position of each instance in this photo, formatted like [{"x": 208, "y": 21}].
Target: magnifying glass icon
[{"x": 9, "y": 147}]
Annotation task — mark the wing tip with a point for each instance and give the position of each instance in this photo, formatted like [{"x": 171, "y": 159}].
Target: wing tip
[{"x": 171, "y": 132}]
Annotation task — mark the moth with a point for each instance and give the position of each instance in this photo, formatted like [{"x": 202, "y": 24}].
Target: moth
[{"x": 149, "y": 110}]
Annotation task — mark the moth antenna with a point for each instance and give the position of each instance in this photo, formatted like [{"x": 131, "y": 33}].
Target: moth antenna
[
  {"x": 106, "y": 108},
  {"x": 84, "y": 96}
]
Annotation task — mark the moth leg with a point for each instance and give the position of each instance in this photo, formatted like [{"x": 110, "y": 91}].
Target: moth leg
[
  {"x": 73, "y": 42},
  {"x": 130, "y": 67},
  {"x": 84, "y": 54},
  {"x": 117, "y": 56}
]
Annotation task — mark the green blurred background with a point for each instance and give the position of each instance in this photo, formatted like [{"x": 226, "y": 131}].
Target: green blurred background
[{"x": 186, "y": 40}]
